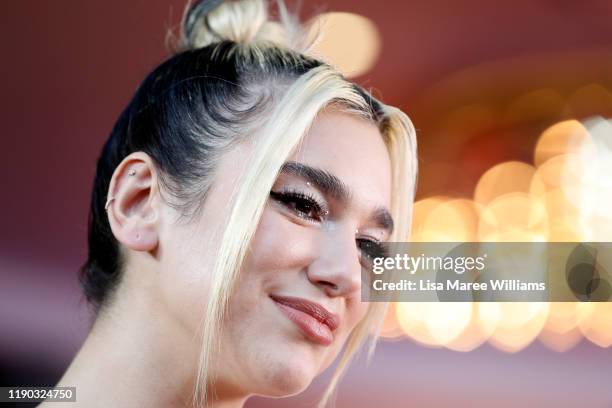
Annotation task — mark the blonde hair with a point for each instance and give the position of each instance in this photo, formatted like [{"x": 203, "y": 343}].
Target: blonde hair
[{"x": 246, "y": 23}]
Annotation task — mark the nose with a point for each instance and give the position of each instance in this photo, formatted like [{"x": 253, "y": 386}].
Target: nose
[{"x": 337, "y": 269}]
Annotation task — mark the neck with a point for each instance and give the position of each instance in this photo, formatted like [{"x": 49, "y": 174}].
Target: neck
[{"x": 137, "y": 355}]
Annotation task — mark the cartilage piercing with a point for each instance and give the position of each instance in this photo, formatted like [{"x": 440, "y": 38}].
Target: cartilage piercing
[
  {"x": 108, "y": 203},
  {"x": 131, "y": 172}
]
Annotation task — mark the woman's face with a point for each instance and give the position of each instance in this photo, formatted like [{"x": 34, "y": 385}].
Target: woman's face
[{"x": 297, "y": 297}]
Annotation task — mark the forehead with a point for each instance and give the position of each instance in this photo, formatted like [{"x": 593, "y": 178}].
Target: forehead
[{"x": 353, "y": 150}]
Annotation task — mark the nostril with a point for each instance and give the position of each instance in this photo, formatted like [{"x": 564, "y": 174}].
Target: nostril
[{"x": 331, "y": 285}]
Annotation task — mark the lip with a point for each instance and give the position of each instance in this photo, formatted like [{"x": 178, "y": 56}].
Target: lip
[{"x": 316, "y": 322}]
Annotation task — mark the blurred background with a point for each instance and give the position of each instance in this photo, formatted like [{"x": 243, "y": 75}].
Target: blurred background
[{"x": 509, "y": 99}]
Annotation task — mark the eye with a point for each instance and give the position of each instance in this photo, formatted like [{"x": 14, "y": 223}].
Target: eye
[
  {"x": 370, "y": 249},
  {"x": 303, "y": 205}
]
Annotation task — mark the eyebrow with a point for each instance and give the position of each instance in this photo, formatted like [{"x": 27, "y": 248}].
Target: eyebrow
[
  {"x": 383, "y": 218},
  {"x": 331, "y": 185}
]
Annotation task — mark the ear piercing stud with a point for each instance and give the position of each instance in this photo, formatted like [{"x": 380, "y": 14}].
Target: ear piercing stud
[{"x": 132, "y": 172}]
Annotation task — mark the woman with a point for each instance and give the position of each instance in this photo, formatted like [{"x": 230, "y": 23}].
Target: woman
[{"x": 234, "y": 204}]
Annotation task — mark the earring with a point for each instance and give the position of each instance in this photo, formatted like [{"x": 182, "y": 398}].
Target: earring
[
  {"x": 131, "y": 172},
  {"x": 108, "y": 203}
]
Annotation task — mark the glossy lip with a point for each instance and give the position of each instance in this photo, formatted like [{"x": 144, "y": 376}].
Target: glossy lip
[{"x": 313, "y": 319}]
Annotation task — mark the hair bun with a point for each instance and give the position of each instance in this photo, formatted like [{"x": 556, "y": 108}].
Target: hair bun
[{"x": 244, "y": 21}]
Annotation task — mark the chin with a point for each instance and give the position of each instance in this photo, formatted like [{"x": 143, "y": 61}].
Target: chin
[{"x": 288, "y": 377}]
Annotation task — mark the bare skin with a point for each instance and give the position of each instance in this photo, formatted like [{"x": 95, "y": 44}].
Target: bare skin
[{"x": 143, "y": 348}]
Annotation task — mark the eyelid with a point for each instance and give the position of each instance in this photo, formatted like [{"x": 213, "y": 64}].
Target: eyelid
[
  {"x": 307, "y": 195},
  {"x": 376, "y": 248},
  {"x": 296, "y": 184},
  {"x": 285, "y": 196},
  {"x": 379, "y": 236}
]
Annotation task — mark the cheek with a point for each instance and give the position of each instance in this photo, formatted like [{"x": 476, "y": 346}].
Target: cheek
[
  {"x": 274, "y": 263},
  {"x": 186, "y": 255},
  {"x": 280, "y": 249},
  {"x": 185, "y": 265},
  {"x": 255, "y": 336}
]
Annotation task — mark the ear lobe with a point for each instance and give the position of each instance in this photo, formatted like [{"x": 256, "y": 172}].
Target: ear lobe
[{"x": 133, "y": 203}]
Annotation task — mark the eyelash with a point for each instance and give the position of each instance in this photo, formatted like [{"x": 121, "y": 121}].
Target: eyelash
[
  {"x": 293, "y": 199},
  {"x": 369, "y": 248}
]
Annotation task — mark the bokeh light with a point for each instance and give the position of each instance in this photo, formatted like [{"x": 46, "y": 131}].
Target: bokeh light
[
  {"x": 595, "y": 322},
  {"x": 519, "y": 324},
  {"x": 514, "y": 217},
  {"x": 348, "y": 41},
  {"x": 450, "y": 221},
  {"x": 561, "y": 138},
  {"x": 505, "y": 178},
  {"x": 558, "y": 198}
]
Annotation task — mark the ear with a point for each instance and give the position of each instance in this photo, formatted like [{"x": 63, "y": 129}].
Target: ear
[{"x": 133, "y": 203}]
